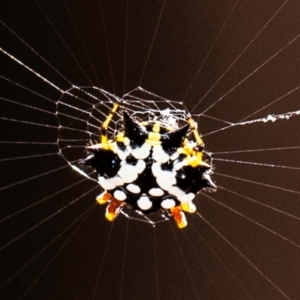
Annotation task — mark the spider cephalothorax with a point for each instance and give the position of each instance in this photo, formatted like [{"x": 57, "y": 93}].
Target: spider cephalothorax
[{"x": 150, "y": 167}]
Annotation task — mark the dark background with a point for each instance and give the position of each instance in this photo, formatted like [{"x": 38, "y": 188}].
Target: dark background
[{"x": 253, "y": 60}]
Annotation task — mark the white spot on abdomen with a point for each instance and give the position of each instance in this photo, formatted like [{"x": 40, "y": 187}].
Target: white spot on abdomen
[
  {"x": 179, "y": 164},
  {"x": 141, "y": 152},
  {"x": 168, "y": 203},
  {"x": 140, "y": 166},
  {"x": 174, "y": 156},
  {"x": 133, "y": 188},
  {"x": 156, "y": 192},
  {"x": 120, "y": 195},
  {"x": 176, "y": 191},
  {"x": 186, "y": 198},
  {"x": 166, "y": 179},
  {"x": 128, "y": 173},
  {"x": 144, "y": 203},
  {"x": 122, "y": 154},
  {"x": 156, "y": 169},
  {"x": 110, "y": 183},
  {"x": 159, "y": 154}
]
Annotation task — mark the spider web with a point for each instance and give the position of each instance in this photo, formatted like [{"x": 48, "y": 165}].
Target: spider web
[
  {"x": 79, "y": 125},
  {"x": 233, "y": 65}
]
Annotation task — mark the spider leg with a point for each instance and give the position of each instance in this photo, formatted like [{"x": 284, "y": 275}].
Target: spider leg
[
  {"x": 193, "y": 126},
  {"x": 196, "y": 159},
  {"x": 179, "y": 216},
  {"x": 104, "y": 197},
  {"x": 114, "y": 206},
  {"x": 113, "y": 209},
  {"x": 105, "y": 124}
]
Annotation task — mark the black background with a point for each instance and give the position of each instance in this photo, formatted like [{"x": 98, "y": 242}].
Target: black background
[{"x": 253, "y": 60}]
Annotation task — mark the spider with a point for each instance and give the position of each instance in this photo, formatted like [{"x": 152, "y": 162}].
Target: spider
[{"x": 151, "y": 167}]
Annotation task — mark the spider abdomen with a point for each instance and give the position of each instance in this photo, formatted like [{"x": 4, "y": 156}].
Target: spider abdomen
[{"x": 151, "y": 167}]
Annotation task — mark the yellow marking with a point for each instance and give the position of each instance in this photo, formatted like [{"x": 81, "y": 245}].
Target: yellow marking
[
  {"x": 108, "y": 119},
  {"x": 199, "y": 156},
  {"x": 180, "y": 150},
  {"x": 196, "y": 160},
  {"x": 123, "y": 139},
  {"x": 187, "y": 149},
  {"x": 193, "y": 161},
  {"x": 195, "y": 131},
  {"x": 110, "y": 216},
  {"x": 120, "y": 137},
  {"x": 103, "y": 139},
  {"x": 185, "y": 142},
  {"x": 112, "y": 146},
  {"x": 153, "y": 136},
  {"x": 104, "y": 146},
  {"x": 153, "y": 143},
  {"x": 156, "y": 127}
]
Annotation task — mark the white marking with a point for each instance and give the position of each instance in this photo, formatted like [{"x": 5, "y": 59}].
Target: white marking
[
  {"x": 193, "y": 207},
  {"x": 176, "y": 191},
  {"x": 126, "y": 141},
  {"x": 133, "y": 188},
  {"x": 174, "y": 156},
  {"x": 159, "y": 154},
  {"x": 128, "y": 173},
  {"x": 156, "y": 169},
  {"x": 186, "y": 198},
  {"x": 122, "y": 154},
  {"x": 123, "y": 163},
  {"x": 172, "y": 121},
  {"x": 179, "y": 165},
  {"x": 144, "y": 203},
  {"x": 156, "y": 192},
  {"x": 120, "y": 195},
  {"x": 117, "y": 180},
  {"x": 106, "y": 183},
  {"x": 166, "y": 179},
  {"x": 168, "y": 117},
  {"x": 141, "y": 152},
  {"x": 140, "y": 166},
  {"x": 113, "y": 146},
  {"x": 168, "y": 203}
]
